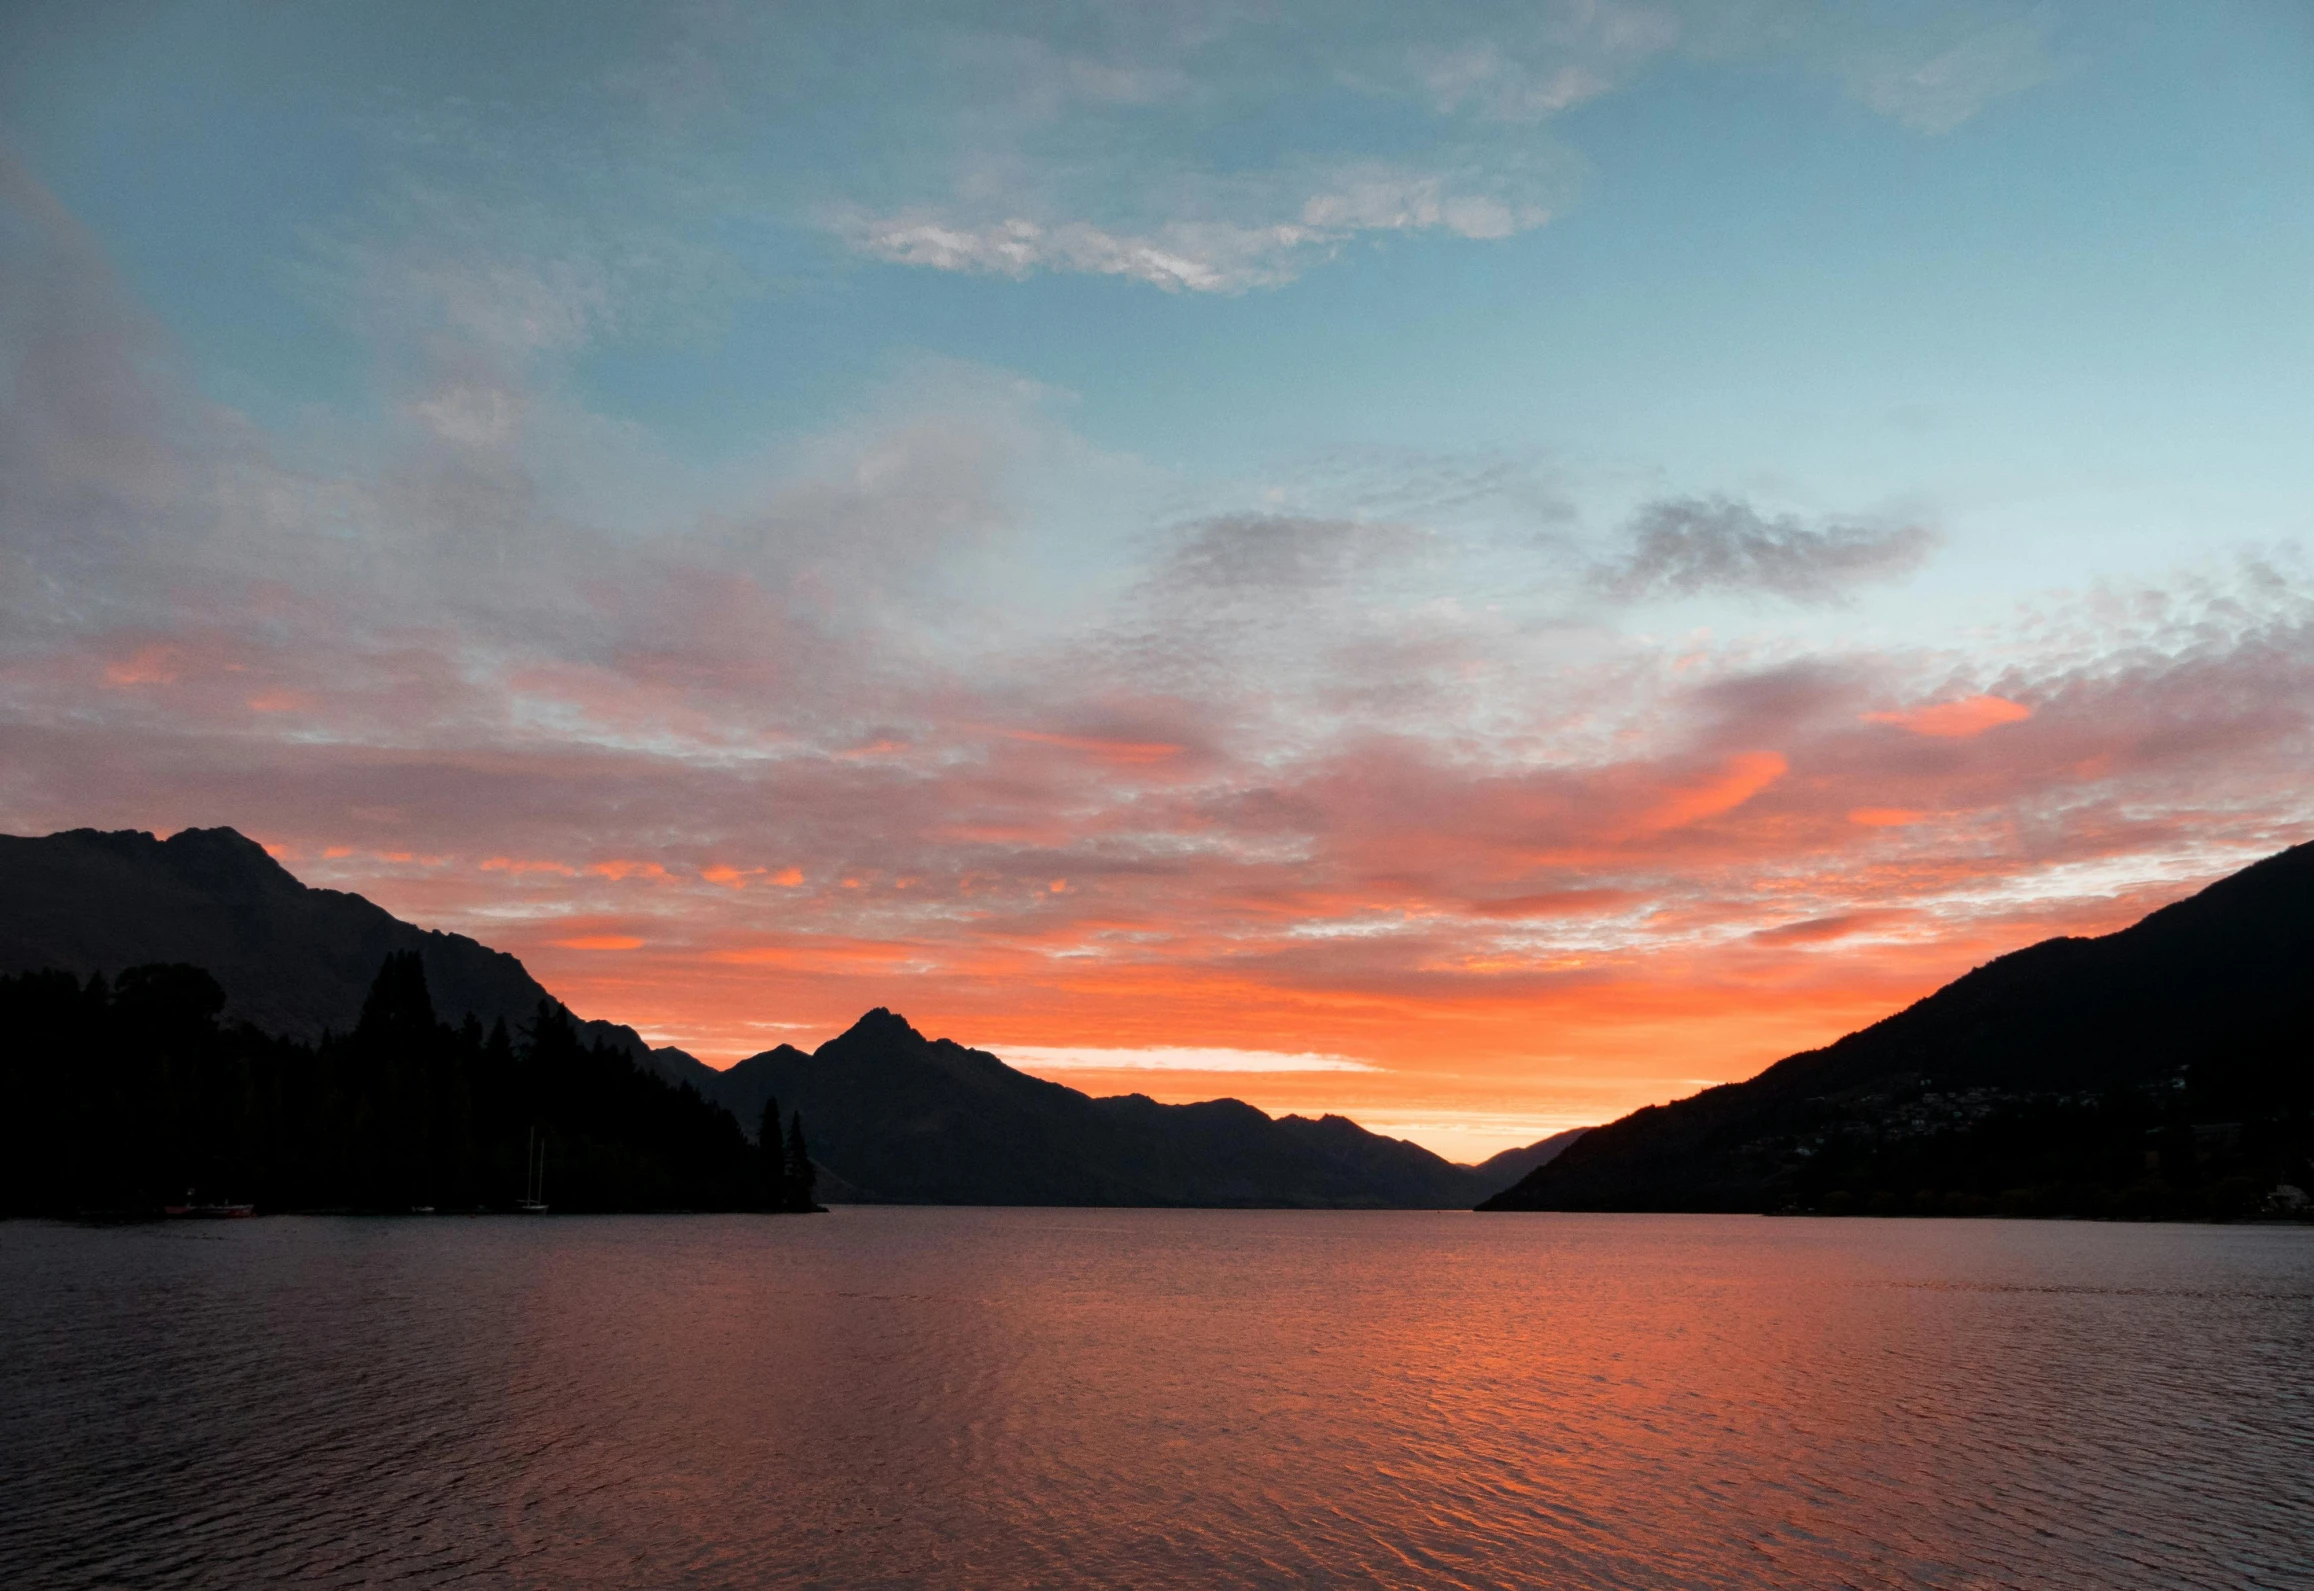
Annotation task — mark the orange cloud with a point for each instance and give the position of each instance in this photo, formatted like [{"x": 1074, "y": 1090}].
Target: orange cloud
[
  {"x": 619, "y": 869},
  {"x": 1745, "y": 775},
  {"x": 1556, "y": 926},
  {"x": 1885, "y": 817},
  {"x": 147, "y": 665},
  {"x": 1972, "y": 715},
  {"x": 281, "y": 699},
  {"x": 831, "y": 955},
  {"x": 510, "y": 864}
]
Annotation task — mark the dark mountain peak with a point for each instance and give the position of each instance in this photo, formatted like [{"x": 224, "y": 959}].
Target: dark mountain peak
[
  {"x": 1329, "y": 1126},
  {"x": 777, "y": 1055},
  {"x": 222, "y": 841},
  {"x": 1225, "y": 1108},
  {"x": 900, "y": 1118},
  {"x": 126, "y": 843},
  {"x": 221, "y": 861},
  {"x": 880, "y": 1028},
  {"x": 227, "y": 861}
]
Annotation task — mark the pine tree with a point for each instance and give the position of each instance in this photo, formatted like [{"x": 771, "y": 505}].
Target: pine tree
[
  {"x": 771, "y": 1159},
  {"x": 398, "y": 1052},
  {"x": 802, "y": 1175},
  {"x": 400, "y": 1009}
]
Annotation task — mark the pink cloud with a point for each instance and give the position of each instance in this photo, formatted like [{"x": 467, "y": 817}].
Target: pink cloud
[
  {"x": 1556, "y": 903},
  {"x": 280, "y": 699},
  {"x": 147, "y": 665},
  {"x": 1306, "y": 794},
  {"x": 511, "y": 864},
  {"x": 1124, "y": 752},
  {"x": 1823, "y": 930},
  {"x": 601, "y": 942},
  {"x": 1958, "y": 720}
]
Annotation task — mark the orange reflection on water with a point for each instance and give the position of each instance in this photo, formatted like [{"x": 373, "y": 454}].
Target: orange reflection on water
[{"x": 1157, "y": 1399}]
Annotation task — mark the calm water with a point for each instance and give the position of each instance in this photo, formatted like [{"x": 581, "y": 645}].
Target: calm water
[{"x": 890, "y": 1397}]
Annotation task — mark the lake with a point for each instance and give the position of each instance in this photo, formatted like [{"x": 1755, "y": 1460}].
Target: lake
[{"x": 975, "y": 1397}]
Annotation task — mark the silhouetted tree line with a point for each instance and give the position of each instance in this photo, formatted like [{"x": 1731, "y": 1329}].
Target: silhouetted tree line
[{"x": 121, "y": 1095}]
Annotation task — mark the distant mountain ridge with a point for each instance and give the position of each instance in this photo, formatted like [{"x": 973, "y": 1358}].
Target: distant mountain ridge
[
  {"x": 1511, "y": 1165},
  {"x": 892, "y": 1115},
  {"x": 904, "y": 1119},
  {"x": 2165, "y": 1070},
  {"x": 293, "y": 959}
]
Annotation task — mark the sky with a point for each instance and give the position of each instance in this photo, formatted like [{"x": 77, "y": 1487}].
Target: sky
[{"x": 1471, "y": 566}]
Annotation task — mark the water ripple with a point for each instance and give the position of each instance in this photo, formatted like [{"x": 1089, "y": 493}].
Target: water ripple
[{"x": 888, "y": 1397}]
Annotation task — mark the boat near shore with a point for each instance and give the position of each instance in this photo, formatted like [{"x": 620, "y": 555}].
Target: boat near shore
[
  {"x": 533, "y": 1200},
  {"x": 193, "y": 1211}
]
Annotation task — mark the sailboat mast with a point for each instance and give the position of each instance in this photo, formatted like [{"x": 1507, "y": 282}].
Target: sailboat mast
[{"x": 533, "y": 1200}]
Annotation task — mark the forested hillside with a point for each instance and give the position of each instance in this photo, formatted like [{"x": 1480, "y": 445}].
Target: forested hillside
[
  {"x": 2165, "y": 1071},
  {"x": 121, "y": 1094}
]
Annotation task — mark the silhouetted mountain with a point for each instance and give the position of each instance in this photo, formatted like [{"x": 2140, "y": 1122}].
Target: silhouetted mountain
[
  {"x": 293, "y": 960},
  {"x": 2164, "y": 1070},
  {"x": 1505, "y": 1169},
  {"x": 891, "y": 1116},
  {"x": 124, "y": 1094},
  {"x": 900, "y": 1118}
]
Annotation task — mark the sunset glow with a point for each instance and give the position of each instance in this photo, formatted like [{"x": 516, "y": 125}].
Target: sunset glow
[
  {"x": 1365, "y": 570},
  {"x": 1956, "y": 720}
]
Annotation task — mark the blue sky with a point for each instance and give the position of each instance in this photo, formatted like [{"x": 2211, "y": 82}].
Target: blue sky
[
  {"x": 1267, "y": 382},
  {"x": 2038, "y": 219}
]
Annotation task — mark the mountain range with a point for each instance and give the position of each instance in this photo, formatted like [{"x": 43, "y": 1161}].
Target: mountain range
[
  {"x": 893, "y": 1116},
  {"x": 904, "y": 1118},
  {"x": 2165, "y": 1070}
]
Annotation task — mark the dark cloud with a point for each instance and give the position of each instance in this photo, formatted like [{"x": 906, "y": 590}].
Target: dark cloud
[
  {"x": 1822, "y": 930},
  {"x": 1687, "y": 546}
]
